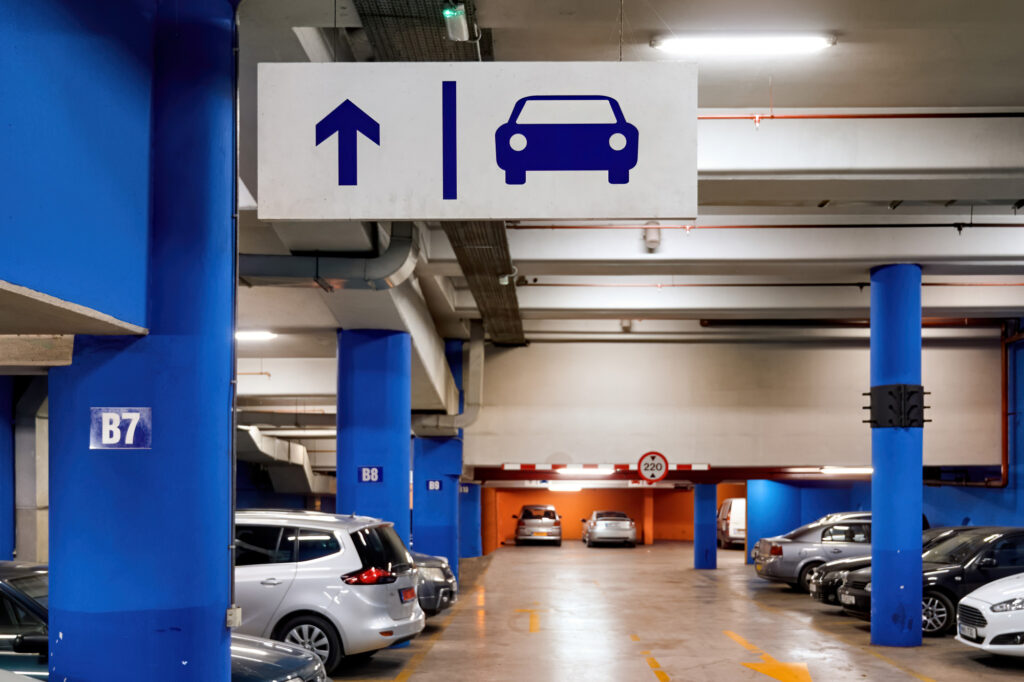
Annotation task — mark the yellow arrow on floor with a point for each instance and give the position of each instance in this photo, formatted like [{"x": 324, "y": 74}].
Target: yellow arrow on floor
[{"x": 784, "y": 672}]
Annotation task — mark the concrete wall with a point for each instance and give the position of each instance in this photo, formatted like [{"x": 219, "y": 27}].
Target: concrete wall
[{"x": 725, "y": 404}]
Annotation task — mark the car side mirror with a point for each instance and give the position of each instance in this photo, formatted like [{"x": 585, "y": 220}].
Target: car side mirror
[
  {"x": 583, "y": 520},
  {"x": 31, "y": 644},
  {"x": 987, "y": 562},
  {"x": 515, "y": 516}
]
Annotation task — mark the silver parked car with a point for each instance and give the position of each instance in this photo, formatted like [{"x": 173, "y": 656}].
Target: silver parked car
[
  {"x": 336, "y": 585},
  {"x": 538, "y": 523},
  {"x": 609, "y": 526},
  {"x": 791, "y": 558}
]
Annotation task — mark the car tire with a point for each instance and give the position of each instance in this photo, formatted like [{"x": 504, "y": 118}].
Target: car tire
[
  {"x": 616, "y": 177},
  {"x": 803, "y": 583},
  {"x": 937, "y": 614},
  {"x": 558, "y": 544},
  {"x": 314, "y": 633},
  {"x": 631, "y": 545},
  {"x": 518, "y": 542},
  {"x": 515, "y": 177},
  {"x": 719, "y": 543}
]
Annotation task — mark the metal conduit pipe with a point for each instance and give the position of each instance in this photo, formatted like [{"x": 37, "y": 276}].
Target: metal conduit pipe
[
  {"x": 443, "y": 425},
  {"x": 386, "y": 271}
]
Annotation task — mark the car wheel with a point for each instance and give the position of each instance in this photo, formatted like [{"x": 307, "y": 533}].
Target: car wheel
[
  {"x": 617, "y": 177},
  {"x": 515, "y": 177},
  {"x": 936, "y": 614},
  {"x": 718, "y": 543},
  {"x": 558, "y": 544},
  {"x": 518, "y": 542},
  {"x": 315, "y": 634},
  {"x": 804, "y": 581},
  {"x": 631, "y": 545}
]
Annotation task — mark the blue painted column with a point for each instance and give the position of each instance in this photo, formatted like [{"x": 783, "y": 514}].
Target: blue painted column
[
  {"x": 705, "y": 511},
  {"x": 437, "y": 465},
  {"x": 471, "y": 541},
  {"x": 773, "y": 508},
  {"x": 140, "y": 539},
  {"x": 374, "y": 413},
  {"x": 6, "y": 468},
  {"x": 896, "y": 454}
]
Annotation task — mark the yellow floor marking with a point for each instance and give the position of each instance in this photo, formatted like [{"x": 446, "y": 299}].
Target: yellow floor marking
[
  {"x": 848, "y": 642},
  {"x": 534, "y": 618},
  {"x": 653, "y": 662},
  {"x": 662, "y": 676},
  {"x": 413, "y": 663},
  {"x": 784, "y": 672},
  {"x": 645, "y": 653},
  {"x": 634, "y": 638}
]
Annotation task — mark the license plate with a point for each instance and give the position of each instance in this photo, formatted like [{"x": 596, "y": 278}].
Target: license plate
[
  {"x": 847, "y": 599},
  {"x": 968, "y": 631},
  {"x": 407, "y": 594},
  {"x": 758, "y": 567},
  {"x": 539, "y": 533}
]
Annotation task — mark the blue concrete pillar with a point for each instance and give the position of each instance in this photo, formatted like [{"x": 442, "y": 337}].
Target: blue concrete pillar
[
  {"x": 437, "y": 465},
  {"x": 773, "y": 508},
  {"x": 140, "y": 558},
  {"x": 896, "y": 454},
  {"x": 6, "y": 468},
  {"x": 471, "y": 540},
  {"x": 705, "y": 512},
  {"x": 374, "y": 413}
]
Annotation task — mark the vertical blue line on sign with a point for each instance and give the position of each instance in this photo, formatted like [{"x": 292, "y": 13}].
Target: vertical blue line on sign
[{"x": 449, "y": 163}]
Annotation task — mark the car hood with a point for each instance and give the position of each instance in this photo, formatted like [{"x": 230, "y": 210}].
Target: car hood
[
  {"x": 935, "y": 568},
  {"x": 262, "y": 660},
  {"x": 850, "y": 564},
  {"x": 1000, "y": 590}
]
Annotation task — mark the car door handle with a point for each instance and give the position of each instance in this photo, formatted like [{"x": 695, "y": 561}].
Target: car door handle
[
  {"x": 836, "y": 551},
  {"x": 270, "y": 581}
]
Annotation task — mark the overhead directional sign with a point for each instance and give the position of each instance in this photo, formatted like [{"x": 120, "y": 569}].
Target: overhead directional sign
[{"x": 477, "y": 141}]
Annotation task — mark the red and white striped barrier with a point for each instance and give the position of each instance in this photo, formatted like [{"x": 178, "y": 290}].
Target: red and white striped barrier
[{"x": 587, "y": 468}]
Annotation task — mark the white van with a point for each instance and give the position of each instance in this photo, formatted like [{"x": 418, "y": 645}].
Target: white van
[{"x": 732, "y": 522}]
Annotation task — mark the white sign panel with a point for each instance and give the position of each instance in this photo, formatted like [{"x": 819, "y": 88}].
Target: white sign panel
[{"x": 478, "y": 141}]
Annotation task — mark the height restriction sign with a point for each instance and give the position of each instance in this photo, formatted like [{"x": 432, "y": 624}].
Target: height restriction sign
[{"x": 652, "y": 467}]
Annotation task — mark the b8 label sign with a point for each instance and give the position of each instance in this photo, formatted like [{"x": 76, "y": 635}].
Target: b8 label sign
[
  {"x": 652, "y": 467},
  {"x": 370, "y": 474}
]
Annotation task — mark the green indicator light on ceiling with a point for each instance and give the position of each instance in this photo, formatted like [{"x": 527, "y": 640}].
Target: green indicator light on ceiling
[{"x": 452, "y": 12}]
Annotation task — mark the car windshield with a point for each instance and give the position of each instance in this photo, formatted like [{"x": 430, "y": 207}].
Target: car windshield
[
  {"x": 539, "y": 111},
  {"x": 612, "y": 515},
  {"x": 958, "y": 549},
  {"x": 538, "y": 513},
  {"x": 36, "y": 587}
]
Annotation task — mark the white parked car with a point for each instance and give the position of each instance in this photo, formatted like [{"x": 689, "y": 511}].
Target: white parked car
[
  {"x": 336, "y": 585},
  {"x": 992, "y": 617},
  {"x": 732, "y": 522}
]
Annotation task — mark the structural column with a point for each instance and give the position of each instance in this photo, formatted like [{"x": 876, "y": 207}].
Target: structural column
[
  {"x": 648, "y": 517},
  {"x": 6, "y": 468},
  {"x": 140, "y": 538},
  {"x": 705, "y": 497},
  {"x": 896, "y": 454},
  {"x": 470, "y": 529},
  {"x": 374, "y": 412},
  {"x": 437, "y": 465}
]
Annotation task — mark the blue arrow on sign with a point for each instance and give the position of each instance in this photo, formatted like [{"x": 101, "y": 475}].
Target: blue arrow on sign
[{"x": 347, "y": 120}]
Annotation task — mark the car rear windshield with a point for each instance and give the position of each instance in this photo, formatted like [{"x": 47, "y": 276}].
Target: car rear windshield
[
  {"x": 612, "y": 515},
  {"x": 35, "y": 587},
  {"x": 957, "y": 550},
  {"x": 380, "y": 547},
  {"x": 540, "y": 111},
  {"x": 538, "y": 513}
]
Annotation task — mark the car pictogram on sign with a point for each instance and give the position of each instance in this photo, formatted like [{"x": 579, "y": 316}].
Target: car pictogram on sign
[{"x": 566, "y": 133}]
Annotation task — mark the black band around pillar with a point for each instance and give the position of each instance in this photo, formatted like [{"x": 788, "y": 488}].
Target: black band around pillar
[{"x": 897, "y": 406}]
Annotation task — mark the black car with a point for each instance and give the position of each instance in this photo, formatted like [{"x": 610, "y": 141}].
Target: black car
[
  {"x": 24, "y": 591},
  {"x": 826, "y": 579},
  {"x": 438, "y": 589},
  {"x": 953, "y": 568}
]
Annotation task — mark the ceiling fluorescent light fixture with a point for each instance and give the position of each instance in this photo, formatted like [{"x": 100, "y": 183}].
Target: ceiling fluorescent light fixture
[
  {"x": 565, "y": 487},
  {"x": 599, "y": 471},
  {"x": 252, "y": 335},
  {"x": 738, "y": 45},
  {"x": 847, "y": 471}
]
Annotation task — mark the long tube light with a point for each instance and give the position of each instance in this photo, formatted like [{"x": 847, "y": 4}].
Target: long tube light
[
  {"x": 724, "y": 45},
  {"x": 255, "y": 335},
  {"x": 565, "y": 487},
  {"x": 599, "y": 471},
  {"x": 847, "y": 471}
]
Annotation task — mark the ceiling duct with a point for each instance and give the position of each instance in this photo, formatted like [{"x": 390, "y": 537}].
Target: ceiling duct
[
  {"x": 414, "y": 31},
  {"x": 287, "y": 463},
  {"x": 481, "y": 248},
  {"x": 385, "y": 271},
  {"x": 448, "y": 425}
]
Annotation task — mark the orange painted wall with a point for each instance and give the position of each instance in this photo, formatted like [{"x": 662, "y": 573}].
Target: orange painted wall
[
  {"x": 488, "y": 519},
  {"x": 673, "y": 515},
  {"x": 575, "y": 506}
]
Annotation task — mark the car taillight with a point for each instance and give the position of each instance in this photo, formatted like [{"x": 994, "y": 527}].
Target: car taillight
[
  {"x": 371, "y": 576},
  {"x": 776, "y": 550},
  {"x": 558, "y": 522}
]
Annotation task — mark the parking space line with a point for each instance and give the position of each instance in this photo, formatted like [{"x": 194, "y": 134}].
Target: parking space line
[
  {"x": 635, "y": 638},
  {"x": 413, "y": 663},
  {"x": 775, "y": 669},
  {"x": 534, "y": 618},
  {"x": 652, "y": 662}
]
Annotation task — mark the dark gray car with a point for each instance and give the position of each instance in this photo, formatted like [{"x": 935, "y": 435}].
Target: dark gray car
[
  {"x": 438, "y": 589},
  {"x": 790, "y": 558}
]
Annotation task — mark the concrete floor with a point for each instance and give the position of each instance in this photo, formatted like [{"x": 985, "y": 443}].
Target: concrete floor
[{"x": 572, "y": 613}]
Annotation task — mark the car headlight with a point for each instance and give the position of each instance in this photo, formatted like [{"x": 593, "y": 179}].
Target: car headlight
[
  {"x": 867, "y": 587},
  {"x": 1016, "y": 604},
  {"x": 517, "y": 142},
  {"x": 617, "y": 141},
  {"x": 433, "y": 574}
]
